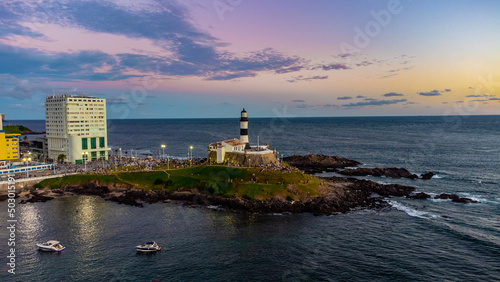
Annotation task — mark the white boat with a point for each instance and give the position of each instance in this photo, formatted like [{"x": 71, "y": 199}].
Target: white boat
[
  {"x": 51, "y": 246},
  {"x": 148, "y": 247}
]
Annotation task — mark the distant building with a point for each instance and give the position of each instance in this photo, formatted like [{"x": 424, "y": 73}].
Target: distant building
[
  {"x": 76, "y": 127},
  {"x": 9, "y": 144},
  {"x": 238, "y": 151}
]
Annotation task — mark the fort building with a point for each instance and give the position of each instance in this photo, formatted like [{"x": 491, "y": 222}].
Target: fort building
[{"x": 239, "y": 151}]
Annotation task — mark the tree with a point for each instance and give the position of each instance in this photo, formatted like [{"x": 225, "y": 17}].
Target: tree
[{"x": 61, "y": 158}]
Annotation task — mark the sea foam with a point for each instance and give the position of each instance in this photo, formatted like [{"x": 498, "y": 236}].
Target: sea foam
[{"x": 411, "y": 211}]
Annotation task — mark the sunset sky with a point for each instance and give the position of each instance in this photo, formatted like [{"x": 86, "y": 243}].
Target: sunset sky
[{"x": 203, "y": 59}]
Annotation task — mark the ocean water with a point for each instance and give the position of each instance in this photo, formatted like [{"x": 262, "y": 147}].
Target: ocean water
[{"x": 412, "y": 240}]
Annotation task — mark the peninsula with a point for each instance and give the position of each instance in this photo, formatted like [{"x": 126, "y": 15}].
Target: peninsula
[{"x": 269, "y": 189}]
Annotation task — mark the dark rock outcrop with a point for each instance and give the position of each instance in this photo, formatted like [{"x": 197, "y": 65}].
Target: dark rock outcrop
[
  {"x": 36, "y": 197},
  {"x": 393, "y": 172},
  {"x": 455, "y": 198},
  {"x": 319, "y": 163},
  {"x": 427, "y": 175},
  {"x": 419, "y": 196}
]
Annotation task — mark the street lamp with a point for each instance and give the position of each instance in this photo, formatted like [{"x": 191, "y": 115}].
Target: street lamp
[
  {"x": 163, "y": 147},
  {"x": 191, "y": 147},
  {"x": 84, "y": 157}
]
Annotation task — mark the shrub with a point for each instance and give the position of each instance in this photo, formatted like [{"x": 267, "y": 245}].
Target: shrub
[
  {"x": 248, "y": 197},
  {"x": 38, "y": 185},
  {"x": 55, "y": 186},
  {"x": 212, "y": 187},
  {"x": 289, "y": 198}
]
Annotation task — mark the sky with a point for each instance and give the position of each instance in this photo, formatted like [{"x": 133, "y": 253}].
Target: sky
[{"x": 211, "y": 58}]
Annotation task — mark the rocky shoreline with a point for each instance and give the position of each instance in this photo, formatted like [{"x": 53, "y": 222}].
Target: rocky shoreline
[
  {"x": 341, "y": 195},
  {"x": 337, "y": 194}
]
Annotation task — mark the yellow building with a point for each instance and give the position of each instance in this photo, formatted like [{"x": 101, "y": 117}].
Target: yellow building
[{"x": 9, "y": 145}]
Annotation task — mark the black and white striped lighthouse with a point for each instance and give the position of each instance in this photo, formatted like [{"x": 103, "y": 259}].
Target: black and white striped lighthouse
[{"x": 244, "y": 127}]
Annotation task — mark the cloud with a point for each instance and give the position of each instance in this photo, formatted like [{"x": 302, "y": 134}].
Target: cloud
[
  {"x": 298, "y": 101},
  {"x": 21, "y": 89},
  {"x": 122, "y": 100},
  {"x": 344, "y": 98},
  {"x": 431, "y": 93},
  {"x": 191, "y": 51},
  {"x": 496, "y": 99},
  {"x": 302, "y": 78},
  {"x": 364, "y": 64},
  {"x": 375, "y": 103},
  {"x": 230, "y": 76},
  {"x": 447, "y": 90},
  {"x": 360, "y": 96},
  {"x": 478, "y": 96},
  {"x": 302, "y": 106},
  {"x": 392, "y": 94},
  {"x": 290, "y": 69},
  {"x": 334, "y": 66},
  {"x": 60, "y": 66},
  {"x": 330, "y": 106}
]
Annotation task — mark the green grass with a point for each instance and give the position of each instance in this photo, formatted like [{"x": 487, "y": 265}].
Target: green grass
[
  {"x": 217, "y": 180},
  {"x": 77, "y": 179},
  {"x": 9, "y": 129}
]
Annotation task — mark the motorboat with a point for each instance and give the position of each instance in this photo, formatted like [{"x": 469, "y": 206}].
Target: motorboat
[
  {"x": 51, "y": 246},
  {"x": 148, "y": 247}
]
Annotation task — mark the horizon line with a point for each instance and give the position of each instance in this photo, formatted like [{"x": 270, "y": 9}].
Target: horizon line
[{"x": 261, "y": 117}]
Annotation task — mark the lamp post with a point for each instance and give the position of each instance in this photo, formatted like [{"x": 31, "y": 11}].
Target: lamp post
[
  {"x": 163, "y": 147},
  {"x": 191, "y": 147},
  {"x": 24, "y": 160},
  {"x": 84, "y": 157}
]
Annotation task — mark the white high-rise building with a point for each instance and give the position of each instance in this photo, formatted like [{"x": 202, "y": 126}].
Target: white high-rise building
[{"x": 76, "y": 127}]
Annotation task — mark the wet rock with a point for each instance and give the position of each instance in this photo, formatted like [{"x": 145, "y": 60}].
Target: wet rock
[
  {"x": 38, "y": 198},
  {"x": 419, "y": 196},
  {"x": 427, "y": 175},
  {"x": 464, "y": 201},
  {"x": 455, "y": 198},
  {"x": 319, "y": 163},
  {"x": 393, "y": 172}
]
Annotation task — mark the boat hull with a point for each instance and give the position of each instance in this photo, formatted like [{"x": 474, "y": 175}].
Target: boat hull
[{"x": 49, "y": 249}]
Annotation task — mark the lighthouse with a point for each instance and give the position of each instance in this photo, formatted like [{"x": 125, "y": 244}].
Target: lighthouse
[{"x": 244, "y": 128}]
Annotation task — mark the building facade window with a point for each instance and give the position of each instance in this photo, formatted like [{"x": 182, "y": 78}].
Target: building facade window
[
  {"x": 101, "y": 142},
  {"x": 93, "y": 143},
  {"x": 85, "y": 145}
]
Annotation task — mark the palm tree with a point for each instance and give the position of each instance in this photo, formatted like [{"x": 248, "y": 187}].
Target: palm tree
[{"x": 61, "y": 158}]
